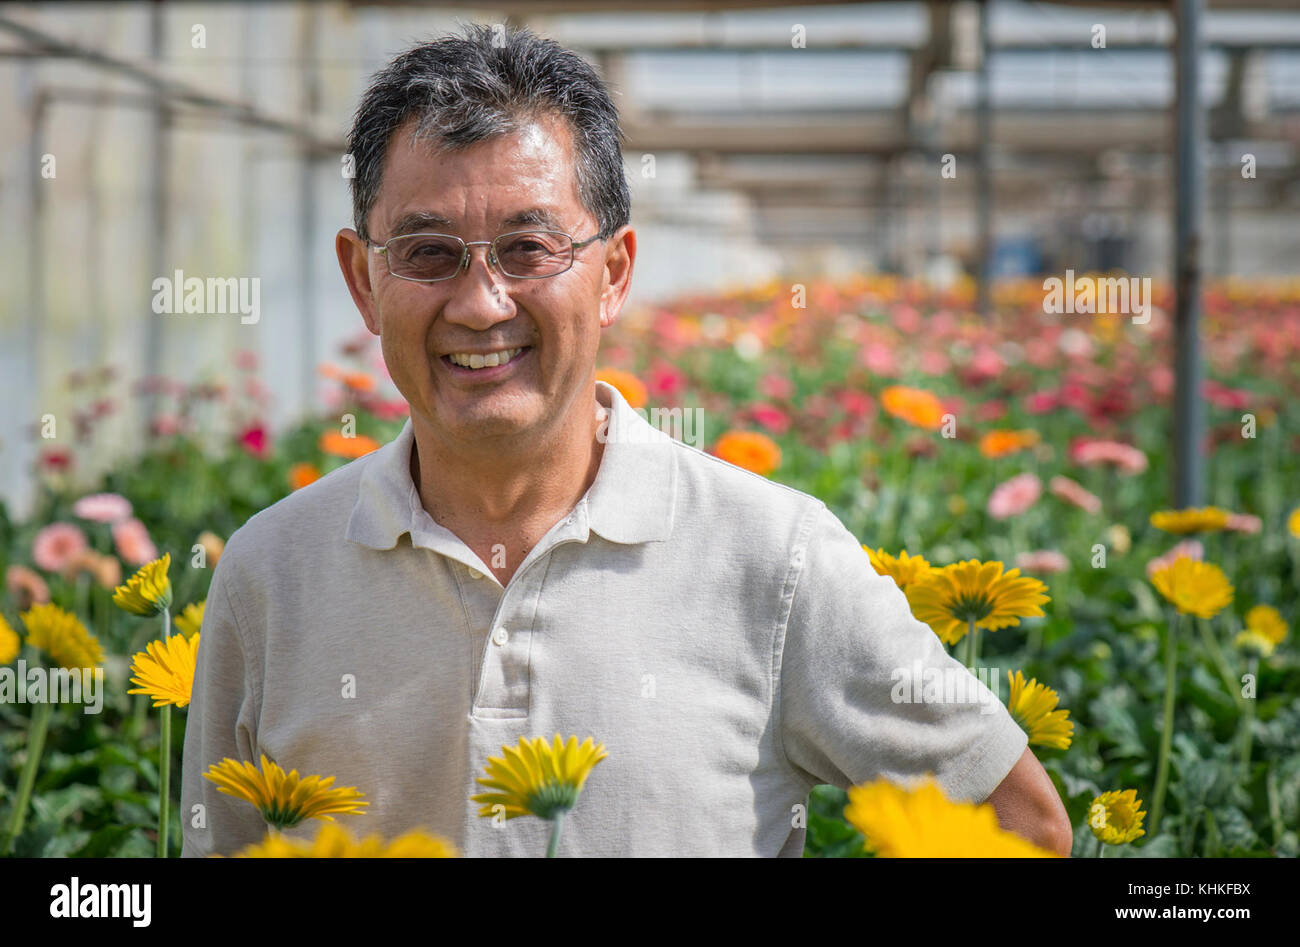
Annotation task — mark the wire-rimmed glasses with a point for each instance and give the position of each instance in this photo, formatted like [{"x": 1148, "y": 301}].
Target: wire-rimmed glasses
[{"x": 522, "y": 254}]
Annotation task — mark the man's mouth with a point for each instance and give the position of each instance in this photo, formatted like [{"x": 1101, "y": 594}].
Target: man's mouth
[{"x": 480, "y": 361}]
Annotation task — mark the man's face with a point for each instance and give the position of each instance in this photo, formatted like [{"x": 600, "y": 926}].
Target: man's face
[{"x": 484, "y": 191}]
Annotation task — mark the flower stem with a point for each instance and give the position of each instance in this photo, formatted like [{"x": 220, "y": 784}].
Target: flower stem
[
  {"x": 164, "y": 776},
  {"x": 1234, "y": 688},
  {"x": 1274, "y": 807},
  {"x": 165, "y": 760},
  {"x": 1167, "y": 727},
  {"x": 556, "y": 823},
  {"x": 1248, "y": 718},
  {"x": 36, "y": 729}
]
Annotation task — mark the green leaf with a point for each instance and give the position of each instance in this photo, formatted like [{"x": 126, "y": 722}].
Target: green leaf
[
  {"x": 59, "y": 804},
  {"x": 106, "y": 842}
]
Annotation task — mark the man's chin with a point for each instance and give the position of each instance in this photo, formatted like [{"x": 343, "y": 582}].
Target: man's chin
[{"x": 478, "y": 421}]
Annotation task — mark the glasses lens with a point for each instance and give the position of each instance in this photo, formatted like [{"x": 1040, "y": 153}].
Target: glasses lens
[
  {"x": 424, "y": 256},
  {"x": 533, "y": 254}
]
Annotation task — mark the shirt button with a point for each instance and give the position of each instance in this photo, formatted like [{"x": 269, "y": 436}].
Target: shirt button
[
  {"x": 475, "y": 574},
  {"x": 500, "y": 637}
]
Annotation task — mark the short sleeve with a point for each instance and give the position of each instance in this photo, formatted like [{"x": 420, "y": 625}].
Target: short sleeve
[
  {"x": 867, "y": 691},
  {"x": 220, "y": 724}
]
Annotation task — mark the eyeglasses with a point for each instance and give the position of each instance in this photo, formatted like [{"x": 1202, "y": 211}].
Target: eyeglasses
[{"x": 524, "y": 254}]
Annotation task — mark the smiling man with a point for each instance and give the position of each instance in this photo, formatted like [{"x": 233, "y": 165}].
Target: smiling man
[{"x": 529, "y": 558}]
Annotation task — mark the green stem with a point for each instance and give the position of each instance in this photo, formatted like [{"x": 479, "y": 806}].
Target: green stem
[
  {"x": 165, "y": 760},
  {"x": 82, "y": 606},
  {"x": 974, "y": 634},
  {"x": 1101, "y": 848},
  {"x": 556, "y": 823},
  {"x": 1167, "y": 726},
  {"x": 1248, "y": 718},
  {"x": 164, "y": 776},
  {"x": 36, "y": 729},
  {"x": 1274, "y": 806},
  {"x": 1216, "y": 653}
]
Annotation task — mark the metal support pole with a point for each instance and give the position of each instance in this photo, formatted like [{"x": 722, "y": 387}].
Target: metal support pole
[
  {"x": 23, "y": 363},
  {"x": 159, "y": 189},
  {"x": 1189, "y": 178},
  {"x": 307, "y": 354},
  {"x": 984, "y": 180}
]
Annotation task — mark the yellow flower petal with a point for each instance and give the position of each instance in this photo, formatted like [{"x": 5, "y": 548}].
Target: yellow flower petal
[
  {"x": 283, "y": 799},
  {"x": 149, "y": 591},
  {"x": 924, "y": 823},
  {"x": 62, "y": 636},
  {"x": 1194, "y": 587},
  {"x": 537, "y": 778},
  {"x": 165, "y": 670}
]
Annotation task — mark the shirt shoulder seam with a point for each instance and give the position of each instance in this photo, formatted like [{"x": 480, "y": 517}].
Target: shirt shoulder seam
[{"x": 766, "y": 481}]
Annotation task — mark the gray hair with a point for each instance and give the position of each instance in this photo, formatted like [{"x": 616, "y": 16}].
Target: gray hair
[{"x": 464, "y": 90}]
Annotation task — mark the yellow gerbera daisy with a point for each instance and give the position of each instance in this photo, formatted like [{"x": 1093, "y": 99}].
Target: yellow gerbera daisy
[
  {"x": 1033, "y": 707},
  {"x": 924, "y": 823},
  {"x": 334, "y": 841},
  {"x": 1254, "y": 643},
  {"x": 1194, "y": 587},
  {"x": 283, "y": 800},
  {"x": 903, "y": 569},
  {"x": 147, "y": 592},
  {"x": 1116, "y": 817},
  {"x": 1293, "y": 522},
  {"x": 10, "y": 643},
  {"x": 1266, "y": 620},
  {"x": 1196, "y": 520},
  {"x": 62, "y": 636},
  {"x": 190, "y": 620},
  {"x": 538, "y": 779},
  {"x": 165, "y": 671},
  {"x": 949, "y": 598}
]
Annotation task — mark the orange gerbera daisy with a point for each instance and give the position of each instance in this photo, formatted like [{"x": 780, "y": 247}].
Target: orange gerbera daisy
[
  {"x": 332, "y": 442},
  {"x": 1001, "y": 443},
  {"x": 359, "y": 381},
  {"x": 749, "y": 449},
  {"x": 913, "y": 405},
  {"x": 629, "y": 386},
  {"x": 302, "y": 474}
]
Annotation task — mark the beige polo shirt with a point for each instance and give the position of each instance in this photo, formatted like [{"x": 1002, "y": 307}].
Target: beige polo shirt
[{"x": 723, "y": 635}]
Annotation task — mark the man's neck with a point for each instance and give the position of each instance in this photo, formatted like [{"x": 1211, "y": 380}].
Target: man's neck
[{"x": 488, "y": 499}]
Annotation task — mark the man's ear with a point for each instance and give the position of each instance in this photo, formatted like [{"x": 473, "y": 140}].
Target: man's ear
[
  {"x": 354, "y": 261},
  {"x": 620, "y": 255}
]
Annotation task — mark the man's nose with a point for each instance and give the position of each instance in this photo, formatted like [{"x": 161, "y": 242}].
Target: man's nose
[{"x": 479, "y": 297}]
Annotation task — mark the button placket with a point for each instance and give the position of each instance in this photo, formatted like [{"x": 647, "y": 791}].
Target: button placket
[{"x": 504, "y": 678}]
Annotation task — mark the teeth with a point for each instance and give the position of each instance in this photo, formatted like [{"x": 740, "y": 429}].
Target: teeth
[{"x": 484, "y": 361}]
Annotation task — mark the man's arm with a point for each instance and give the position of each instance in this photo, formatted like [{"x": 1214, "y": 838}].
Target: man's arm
[{"x": 1028, "y": 804}]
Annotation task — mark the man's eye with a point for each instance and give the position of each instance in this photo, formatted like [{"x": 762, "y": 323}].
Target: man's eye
[
  {"x": 527, "y": 248},
  {"x": 431, "y": 250}
]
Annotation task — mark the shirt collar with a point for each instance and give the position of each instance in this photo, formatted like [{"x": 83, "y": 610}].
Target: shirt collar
[{"x": 631, "y": 500}]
